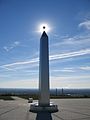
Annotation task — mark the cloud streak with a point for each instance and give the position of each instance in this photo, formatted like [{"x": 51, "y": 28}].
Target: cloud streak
[
  {"x": 78, "y": 41},
  {"x": 22, "y": 62},
  {"x": 55, "y": 82},
  {"x": 85, "y": 24},
  {"x": 73, "y": 69},
  {"x": 10, "y": 47},
  {"x": 70, "y": 54},
  {"x": 51, "y": 57},
  {"x": 87, "y": 68},
  {"x": 63, "y": 70}
]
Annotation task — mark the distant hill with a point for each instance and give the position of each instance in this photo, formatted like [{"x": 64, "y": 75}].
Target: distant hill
[{"x": 15, "y": 91}]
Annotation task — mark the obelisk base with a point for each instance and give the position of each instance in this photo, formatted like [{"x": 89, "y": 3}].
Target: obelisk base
[{"x": 35, "y": 108}]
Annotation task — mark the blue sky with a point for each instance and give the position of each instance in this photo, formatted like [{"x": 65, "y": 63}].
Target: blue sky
[{"x": 69, "y": 42}]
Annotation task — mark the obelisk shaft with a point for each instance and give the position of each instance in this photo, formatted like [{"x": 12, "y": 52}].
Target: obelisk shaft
[{"x": 44, "y": 99}]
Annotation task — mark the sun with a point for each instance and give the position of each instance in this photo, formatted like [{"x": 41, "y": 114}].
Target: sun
[{"x": 44, "y": 27}]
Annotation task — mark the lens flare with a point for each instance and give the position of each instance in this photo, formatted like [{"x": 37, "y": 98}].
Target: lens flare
[{"x": 44, "y": 27}]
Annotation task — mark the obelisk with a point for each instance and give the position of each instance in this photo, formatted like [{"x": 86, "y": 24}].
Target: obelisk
[
  {"x": 43, "y": 104},
  {"x": 44, "y": 99}
]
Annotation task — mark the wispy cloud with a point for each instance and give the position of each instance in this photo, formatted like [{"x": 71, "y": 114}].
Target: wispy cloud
[
  {"x": 53, "y": 57},
  {"x": 73, "y": 69},
  {"x": 27, "y": 83},
  {"x": 87, "y": 68},
  {"x": 70, "y": 81},
  {"x": 63, "y": 70},
  {"x": 85, "y": 24},
  {"x": 55, "y": 82},
  {"x": 22, "y": 62},
  {"x": 70, "y": 78},
  {"x": 70, "y": 54},
  {"x": 10, "y": 47},
  {"x": 70, "y": 43}
]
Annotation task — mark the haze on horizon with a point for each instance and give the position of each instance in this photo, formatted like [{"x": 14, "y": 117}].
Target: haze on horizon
[{"x": 69, "y": 42}]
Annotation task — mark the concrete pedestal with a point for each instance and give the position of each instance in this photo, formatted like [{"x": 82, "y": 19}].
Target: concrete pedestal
[{"x": 34, "y": 107}]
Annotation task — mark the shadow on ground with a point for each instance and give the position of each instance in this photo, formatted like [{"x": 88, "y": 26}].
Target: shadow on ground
[{"x": 43, "y": 116}]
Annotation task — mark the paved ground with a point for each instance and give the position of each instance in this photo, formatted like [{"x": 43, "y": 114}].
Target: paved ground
[{"x": 69, "y": 109}]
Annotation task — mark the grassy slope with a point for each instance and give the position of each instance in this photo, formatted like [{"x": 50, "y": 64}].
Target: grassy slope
[{"x": 6, "y": 97}]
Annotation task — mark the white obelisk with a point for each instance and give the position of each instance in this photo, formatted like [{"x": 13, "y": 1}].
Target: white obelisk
[
  {"x": 44, "y": 99},
  {"x": 44, "y": 105}
]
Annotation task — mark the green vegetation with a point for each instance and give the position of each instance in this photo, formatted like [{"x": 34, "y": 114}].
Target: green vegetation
[
  {"x": 68, "y": 96},
  {"x": 6, "y": 97},
  {"x": 35, "y": 97},
  {"x": 26, "y": 96}
]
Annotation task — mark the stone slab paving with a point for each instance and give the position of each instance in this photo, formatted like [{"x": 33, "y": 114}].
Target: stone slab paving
[{"x": 69, "y": 109}]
